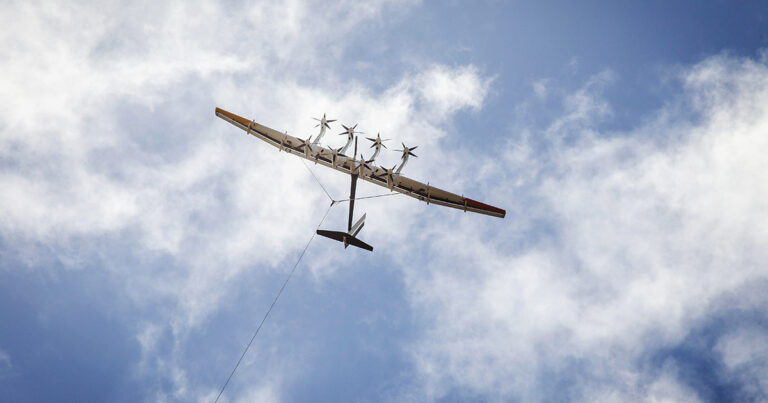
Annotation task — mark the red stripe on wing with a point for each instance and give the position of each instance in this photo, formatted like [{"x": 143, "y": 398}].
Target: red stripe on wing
[{"x": 482, "y": 206}]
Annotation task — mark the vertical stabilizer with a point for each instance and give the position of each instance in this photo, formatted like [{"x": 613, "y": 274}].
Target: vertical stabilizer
[{"x": 358, "y": 226}]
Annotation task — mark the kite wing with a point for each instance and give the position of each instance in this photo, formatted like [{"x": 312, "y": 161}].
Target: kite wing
[{"x": 373, "y": 174}]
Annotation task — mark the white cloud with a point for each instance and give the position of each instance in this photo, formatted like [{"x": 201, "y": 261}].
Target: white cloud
[
  {"x": 264, "y": 394},
  {"x": 540, "y": 88},
  {"x": 745, "y": 355},
  {"x": 5, "y": 363},
  {"x": 447, "y": 90},
  {"x": 625, "y": 387},
  {"x": 621, "y": 244},
  {"x": 742, "y": 347}
]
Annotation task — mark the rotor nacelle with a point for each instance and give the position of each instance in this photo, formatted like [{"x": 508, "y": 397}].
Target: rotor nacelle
[
  {"x": 350, "y": 133},
  {"x": 407, "y": 152},
  {"x": 378, "y": 143},
  {"x": 323, "y": 124}
]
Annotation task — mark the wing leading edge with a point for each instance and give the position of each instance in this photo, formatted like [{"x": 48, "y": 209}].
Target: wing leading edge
[{"x": 374, "y": 174}]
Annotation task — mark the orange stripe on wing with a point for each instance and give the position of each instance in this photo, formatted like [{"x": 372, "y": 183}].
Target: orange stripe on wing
[{"x": 239, "y": 119}]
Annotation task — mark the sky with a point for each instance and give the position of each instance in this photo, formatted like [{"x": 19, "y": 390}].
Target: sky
[{"x": 142, "y": 239}]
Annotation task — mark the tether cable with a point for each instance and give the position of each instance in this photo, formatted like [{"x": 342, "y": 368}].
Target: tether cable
[
  {"x": 334, "y": 201},
  {"x": 318, "y": 181},
  {"x": 290, "y": 274},
  {"x": 368, "y": 197},
  {"x": 272, "y": 305}
]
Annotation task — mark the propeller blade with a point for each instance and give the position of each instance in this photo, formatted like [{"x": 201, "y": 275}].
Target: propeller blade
[
  {"x": 415, "y": 155},
  {"x": 304, "y": 143},
  {"x": 413, "y": 148}
]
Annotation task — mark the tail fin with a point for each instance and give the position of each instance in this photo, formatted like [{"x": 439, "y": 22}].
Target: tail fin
[
  {"x": 345, "y": 238},
  {"x": 358, "y": 226}
]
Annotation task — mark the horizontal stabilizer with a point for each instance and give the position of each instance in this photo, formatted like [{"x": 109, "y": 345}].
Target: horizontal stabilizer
[
  {"x": 345, "y": 238},
  {"x": 360, "y": 244}
]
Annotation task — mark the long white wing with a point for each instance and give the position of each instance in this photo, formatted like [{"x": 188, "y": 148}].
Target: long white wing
[{"x": 375, "y": 175}]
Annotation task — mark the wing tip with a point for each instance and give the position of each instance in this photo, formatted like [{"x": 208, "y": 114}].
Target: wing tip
[
  {"x": 226, "y": 115},
  {"x": 494, "y": 211}
]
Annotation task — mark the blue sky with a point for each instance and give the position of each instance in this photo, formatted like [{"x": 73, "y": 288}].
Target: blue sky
[{"x": 142, "y": 239}]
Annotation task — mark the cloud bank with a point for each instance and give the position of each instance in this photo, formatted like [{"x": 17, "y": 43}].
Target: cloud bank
[{"x": 640, "y": 239}]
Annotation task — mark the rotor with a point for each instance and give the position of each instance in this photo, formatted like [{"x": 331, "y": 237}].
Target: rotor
[
  {"x": 388, "y": 176},
  {"x": 378, "y": 141},
  {"x": 408, "y": 150},
  {"x": 350, "y": 131},
  {"x": 335, "y": 155},
  {"x": 305, "y": 145},
  {"x": 324, "y": 122},
  {"x": 363, "y": 163}
]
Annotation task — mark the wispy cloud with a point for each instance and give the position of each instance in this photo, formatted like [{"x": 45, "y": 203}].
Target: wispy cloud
[
  {"x": 630, "y": 241},
  {"x": 5, "y": 363}
]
